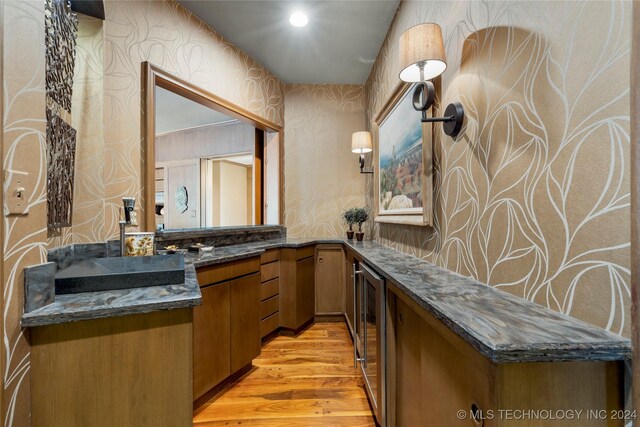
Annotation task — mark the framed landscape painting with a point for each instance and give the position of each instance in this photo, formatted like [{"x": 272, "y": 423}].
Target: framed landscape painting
[{"x": 404, "y": 162}]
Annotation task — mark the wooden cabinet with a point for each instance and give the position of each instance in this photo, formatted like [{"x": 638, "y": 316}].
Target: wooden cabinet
[
  {"x": 226, "y": 326},
  {"x": 123, "y": 371},
  {"x": 433, "y": 374},
  {"x": 211, "y": 339},
  {"x": 269, "y": 292},
  {"x": 297, "y": 287},
  {"x": 305, "y": 282},
  {"x": 245, "y": 320},
  {"x": 409, "y": 388},
  {"x": 330, "y": 281}
]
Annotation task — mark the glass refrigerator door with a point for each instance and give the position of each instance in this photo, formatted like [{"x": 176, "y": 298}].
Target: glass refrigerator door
[{"x": 371, "y": 337}]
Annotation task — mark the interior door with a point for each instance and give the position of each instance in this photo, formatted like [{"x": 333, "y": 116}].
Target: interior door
[
  {"x": 272, "y": 178},
  {"x": 182, "y": 194}
]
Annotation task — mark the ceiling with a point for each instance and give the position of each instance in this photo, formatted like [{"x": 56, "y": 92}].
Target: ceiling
[
  {"x": 338, "y": 45},
  {"x": 174, "y": 112}
]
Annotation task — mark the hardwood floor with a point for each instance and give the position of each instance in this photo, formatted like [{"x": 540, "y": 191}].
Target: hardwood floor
[{"x": 304, "y": 381}]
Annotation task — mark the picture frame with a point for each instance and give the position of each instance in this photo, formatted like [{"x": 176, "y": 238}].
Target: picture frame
[{"x": 404, "y": 176}]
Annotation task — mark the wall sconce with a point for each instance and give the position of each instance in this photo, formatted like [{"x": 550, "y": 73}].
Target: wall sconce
[
  {"x": 422, "y": 58},
  {"x": 360, "y": 144}
]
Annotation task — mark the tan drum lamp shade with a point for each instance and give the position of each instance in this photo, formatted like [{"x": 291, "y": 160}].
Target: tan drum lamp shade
[
  {"x": 422, "y": 54},
  {"x": 422, "y": 58},
  {"x": 360, "y": 144}
]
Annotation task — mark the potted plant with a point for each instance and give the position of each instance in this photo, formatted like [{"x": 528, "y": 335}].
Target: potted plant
[
  {"x": 349, "y": 218},
  {"x": 361, "y": 215}
]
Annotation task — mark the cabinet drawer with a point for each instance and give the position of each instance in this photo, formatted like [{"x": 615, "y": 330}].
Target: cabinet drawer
[
  {"x": 228, "y": 270},
  {"x": 305, "y": 252},
  {"x": 270, "y": 256},
  {"x": 269, "y": 289},
  {"x": 269, "y": 324},
  {"x": 270, "y": 306},
  {"x": 270, "y": 271}
]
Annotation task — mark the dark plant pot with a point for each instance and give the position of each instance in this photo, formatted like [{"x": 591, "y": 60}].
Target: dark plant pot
[
  {"x": 350, "y": 235},
  {"x": 359, "y": 236}
]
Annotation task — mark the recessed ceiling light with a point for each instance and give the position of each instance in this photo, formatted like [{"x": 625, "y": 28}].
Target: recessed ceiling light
[{"x": 298, "y": 19}]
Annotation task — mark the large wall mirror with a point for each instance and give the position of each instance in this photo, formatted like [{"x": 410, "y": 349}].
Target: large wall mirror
[{"x": 208, "y": 163}]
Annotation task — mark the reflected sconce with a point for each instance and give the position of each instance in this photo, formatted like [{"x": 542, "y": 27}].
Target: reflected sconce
[
  {"x": 422, "y": 58},
  {"x": 361, "y": 144}
]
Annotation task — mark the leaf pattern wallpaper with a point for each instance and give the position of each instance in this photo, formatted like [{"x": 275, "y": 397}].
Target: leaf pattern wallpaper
[
  {"x": 25, "y": 237},
  {"x": 106, "y": 112},
  {"x": 170, "y": 37},
  {"x": 533, "y": 196},
  {"x": 322, "y": 176}
]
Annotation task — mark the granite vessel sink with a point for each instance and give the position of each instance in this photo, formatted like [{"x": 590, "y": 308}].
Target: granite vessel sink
[{"x": 103, "y": 274}]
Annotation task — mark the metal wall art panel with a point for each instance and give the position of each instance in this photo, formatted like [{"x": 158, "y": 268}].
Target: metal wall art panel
[
  {"x": 61, "y": 154},
  {"x": 61, "y": 31}
]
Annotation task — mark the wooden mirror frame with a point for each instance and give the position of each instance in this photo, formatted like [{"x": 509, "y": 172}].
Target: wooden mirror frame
[{"x": 153, "y": 76}]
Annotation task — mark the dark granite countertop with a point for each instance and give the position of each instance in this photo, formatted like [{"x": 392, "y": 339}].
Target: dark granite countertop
[
  {"x": 248, "y": 250},
  {"x": 501, "y": 326},
  {"x": 94, "y": 305},
  {"x": 190, "y": 233},
  {"x": 122, "y": 302}
]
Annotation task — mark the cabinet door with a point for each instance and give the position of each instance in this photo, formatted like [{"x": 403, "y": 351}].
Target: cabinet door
[
  {"x": 329, "y": 281},
  {"x": 211, "y": 362},
  {"x": 305, "y": 286},
  {"x": 410, "y": 407},
  {"x": 435, "y": 378},
  {"x": 245, "y": 320},
  {"x": 349, "y": 290}
]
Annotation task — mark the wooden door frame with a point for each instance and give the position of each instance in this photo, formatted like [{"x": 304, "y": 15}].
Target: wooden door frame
[{"x": 153, "y": 76}]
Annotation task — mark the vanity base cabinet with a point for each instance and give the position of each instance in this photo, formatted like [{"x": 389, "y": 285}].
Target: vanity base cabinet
[
  {"x": 211, "y": 339},
  {"x": 434, "y": 374},
  {"x": 269, "y": 292},
  {"x": 226, "y": 326},
  {"x": 245, "y": 320},
  {"x": 297, "y": 288},
  {"x": 121, "y": 371}
]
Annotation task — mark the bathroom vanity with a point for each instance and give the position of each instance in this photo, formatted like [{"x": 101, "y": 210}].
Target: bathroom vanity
[
  {"x": 435, "y": 348},
  {"x": 119, "y": 356}
]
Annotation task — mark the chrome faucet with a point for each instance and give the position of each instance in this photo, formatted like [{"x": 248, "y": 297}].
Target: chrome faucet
[{"x": 129, "y": 204}]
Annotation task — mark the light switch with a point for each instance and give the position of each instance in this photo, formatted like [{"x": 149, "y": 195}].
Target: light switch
[{"x": 16, "y": 194}]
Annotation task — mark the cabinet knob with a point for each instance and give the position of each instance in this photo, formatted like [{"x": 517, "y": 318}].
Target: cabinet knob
[
  {"x": 477, "y": 415},
  {"x": 320, "y": 260}
]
